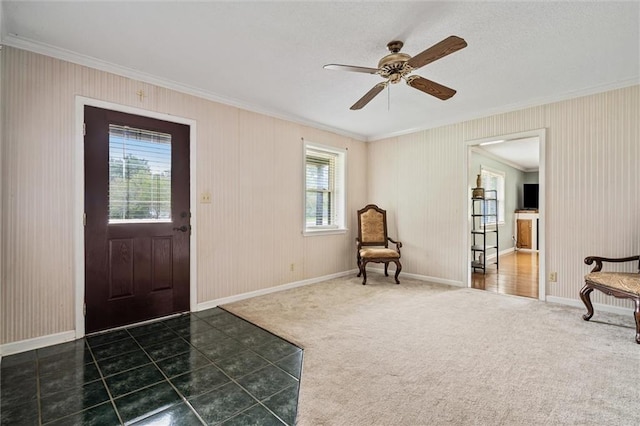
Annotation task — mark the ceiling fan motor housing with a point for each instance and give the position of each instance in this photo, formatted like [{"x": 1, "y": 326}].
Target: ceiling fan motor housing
[{"x": 394, "y": 66}]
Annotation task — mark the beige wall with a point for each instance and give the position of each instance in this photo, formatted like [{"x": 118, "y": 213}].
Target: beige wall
[
  {"x": 592, "y": 186},
  {"x": 252, "y": 165},
  {"x": 249, "y": 161}
]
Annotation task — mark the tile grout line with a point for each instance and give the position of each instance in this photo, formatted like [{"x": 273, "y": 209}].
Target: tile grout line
[
  {"x": 38, "y": 396},
  {"x": 259, "y": 327},
  {"x": 253, "y": 351},
  {"x": 231, "y": 379},
  {"x": 259, "y": 355},
  {"x": 94, "y": 361},
  {"x": 183, "y": 398},
  {"x": 154, "y": 362},
  {"x": 104, "y": 382}
]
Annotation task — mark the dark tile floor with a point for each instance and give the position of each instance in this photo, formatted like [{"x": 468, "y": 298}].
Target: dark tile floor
[{"x": 209, "y": 367}]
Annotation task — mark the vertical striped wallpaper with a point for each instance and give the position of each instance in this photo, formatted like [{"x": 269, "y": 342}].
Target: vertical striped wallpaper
[
  {"x": 251, "y": 164},
  {"x": 592, "y": 181}
]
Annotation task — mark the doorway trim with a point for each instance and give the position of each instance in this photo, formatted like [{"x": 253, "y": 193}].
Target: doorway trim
[
  {"x": 541, "y": 135},
  {"x": 78, "y": 203}
]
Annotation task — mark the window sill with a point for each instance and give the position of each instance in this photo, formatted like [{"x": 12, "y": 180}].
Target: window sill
[{"x": 316, "y": 232}]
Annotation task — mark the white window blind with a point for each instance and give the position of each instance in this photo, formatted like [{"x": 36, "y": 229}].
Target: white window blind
[
  {"x": 324, "y": 188},
  {"x": 139, "y": 175}
]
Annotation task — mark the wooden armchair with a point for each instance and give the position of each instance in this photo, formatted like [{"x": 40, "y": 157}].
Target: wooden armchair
[
  {"x": 373, "y": 243},
  {"x": 618, "y": 284}
]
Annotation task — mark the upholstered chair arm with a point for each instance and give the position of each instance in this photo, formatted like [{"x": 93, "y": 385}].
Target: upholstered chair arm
[
  {"x": 397, "y": 243},
  {"x": 598, "y": 260}
]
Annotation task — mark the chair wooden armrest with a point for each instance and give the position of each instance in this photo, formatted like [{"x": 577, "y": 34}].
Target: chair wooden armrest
[
  {"x": 397, "y": 243},
  {"x": 598, "y": 260},
  {"x": 624, "y": 285}
]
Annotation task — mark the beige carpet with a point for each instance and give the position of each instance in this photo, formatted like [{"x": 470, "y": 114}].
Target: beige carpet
[{"x": 428, "y": 354}]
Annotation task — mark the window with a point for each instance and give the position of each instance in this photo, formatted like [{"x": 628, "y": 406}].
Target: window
[
  {"x": 493, "y": 180},
  {"x": 324, "y": 197},
  {"x": 139, "y": 175}
]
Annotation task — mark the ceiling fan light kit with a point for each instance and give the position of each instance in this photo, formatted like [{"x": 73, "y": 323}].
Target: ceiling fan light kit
[{"x": 397, "y": 66}]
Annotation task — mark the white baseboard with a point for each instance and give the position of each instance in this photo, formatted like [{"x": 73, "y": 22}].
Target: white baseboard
[
  {"x": 596, "y": 306},
  {"x": 502, "y": 253},
  {"x": 417, "y": 277},
  {"x": 67, "y": 336},
  {"x": 507, "y": 251},
  {"x": 37, "y": 342},
  {"x": 217, "y": 302}
]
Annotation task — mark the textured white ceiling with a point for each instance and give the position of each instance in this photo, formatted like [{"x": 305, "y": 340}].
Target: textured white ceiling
[{"x": 268, "y": 56}]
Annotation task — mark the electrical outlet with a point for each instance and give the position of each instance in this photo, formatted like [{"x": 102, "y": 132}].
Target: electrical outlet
[
  {"x": 553, "y": 277},
  {"x": 292, "y": 267},
  {"x": 205, "y": 198}
]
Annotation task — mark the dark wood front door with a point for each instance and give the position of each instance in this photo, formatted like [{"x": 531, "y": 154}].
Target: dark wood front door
[{"x": 137, "y": 210}]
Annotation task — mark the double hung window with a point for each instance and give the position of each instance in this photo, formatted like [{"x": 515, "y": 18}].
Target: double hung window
[
  {"x": 324, "y": 196},
  {"x": 493, "y": 180}
]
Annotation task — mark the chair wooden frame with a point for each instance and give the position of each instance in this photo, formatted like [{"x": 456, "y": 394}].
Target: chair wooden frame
[
  {"x": 370, "y": 255},
  {"x": 589, "y": 286}
]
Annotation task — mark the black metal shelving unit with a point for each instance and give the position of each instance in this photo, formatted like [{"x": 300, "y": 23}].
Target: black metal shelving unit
[{"x": 483, "y": 235}]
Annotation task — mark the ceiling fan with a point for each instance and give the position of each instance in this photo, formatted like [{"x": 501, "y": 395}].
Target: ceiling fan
[{"x": 397, "y": 66}]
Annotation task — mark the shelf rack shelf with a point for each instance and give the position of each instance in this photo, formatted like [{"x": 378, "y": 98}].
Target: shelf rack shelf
[{"x": 484, "y": 230}]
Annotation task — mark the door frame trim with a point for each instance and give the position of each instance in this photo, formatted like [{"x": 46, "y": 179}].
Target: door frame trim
[
  {"x": 78, "y": 199},
  {"x": 541, "y": 134}
]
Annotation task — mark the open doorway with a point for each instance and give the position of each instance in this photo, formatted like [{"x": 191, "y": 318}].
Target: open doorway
[{"x": 505, "y": 214}]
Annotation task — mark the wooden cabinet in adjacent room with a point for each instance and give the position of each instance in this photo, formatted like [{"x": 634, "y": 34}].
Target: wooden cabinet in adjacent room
[
  {"x": 526, "y": 229},
  {"x": 523, "y": 236}
]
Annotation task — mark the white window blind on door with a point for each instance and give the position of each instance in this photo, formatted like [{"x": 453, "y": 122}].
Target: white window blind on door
[{"x": 139, "y": 175}]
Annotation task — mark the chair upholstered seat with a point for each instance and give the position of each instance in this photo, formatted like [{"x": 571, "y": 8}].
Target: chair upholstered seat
[
  {"x": 369, "y": 253},
  {"x": 625, "y": 281},
  {"x": 373, "y": 242}
]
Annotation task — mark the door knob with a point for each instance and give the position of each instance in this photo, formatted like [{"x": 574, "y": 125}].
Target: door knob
[{"x": 183, "y": 228}]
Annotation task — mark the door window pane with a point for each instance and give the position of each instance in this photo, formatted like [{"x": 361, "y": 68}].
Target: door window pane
[{"x": 139, "y": 175}]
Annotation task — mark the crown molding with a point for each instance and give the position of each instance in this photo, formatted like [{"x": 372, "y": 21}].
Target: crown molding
[
  {"x": 512, "y": 107},
  {"x": 91, "y": 62},
  {"x": 17, "y": 42}
]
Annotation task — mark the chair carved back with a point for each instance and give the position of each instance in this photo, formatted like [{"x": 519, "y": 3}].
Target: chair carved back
[{"x": 372, "y": 226}]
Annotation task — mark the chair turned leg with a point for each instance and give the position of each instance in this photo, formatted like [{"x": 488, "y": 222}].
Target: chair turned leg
[
  {"x": 386, "y": 266},
  {"x": 585, "y": 295},
  {"x": 398, "y": 269},
  {"x": 363, "y": 270},
  {"x": 637, "y": 315}
]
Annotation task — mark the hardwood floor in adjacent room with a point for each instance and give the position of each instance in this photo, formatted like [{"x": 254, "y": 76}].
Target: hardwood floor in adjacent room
[{"x": 517, "y": 275}]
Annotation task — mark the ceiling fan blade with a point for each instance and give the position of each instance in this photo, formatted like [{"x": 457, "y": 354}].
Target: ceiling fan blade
[
  {"x": 439, "y": 50},
  {"x": 351, "y": 68},
  {"x": 369, "y": 95},
  {"x": 430, "y": 87}
]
